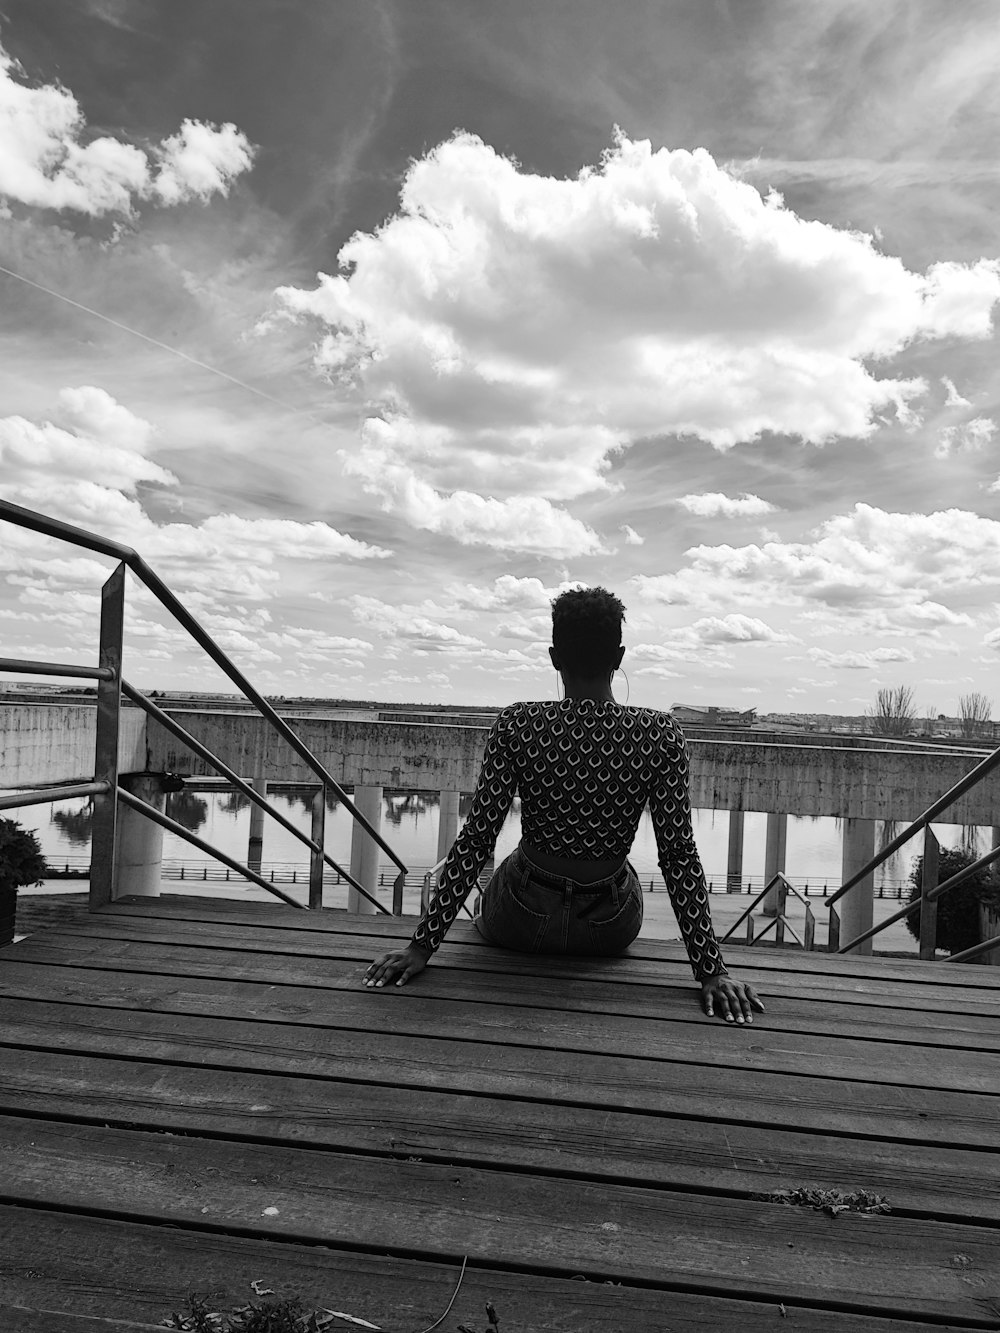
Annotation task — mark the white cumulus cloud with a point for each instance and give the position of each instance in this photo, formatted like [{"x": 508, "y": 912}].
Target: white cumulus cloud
[
  {"x": 954, "y": 398},
  {"x": 89, "y": 471},
  {"x": 867, "y": 558},
  {"x": 860, "y": 661},
  {"x": 200, "y": 160},
  {"x": 712, "y": 504},
  {"x": 421, "y": 625},
  {"x": 735, "y": 628},
  {"x": 513, "y": 331},
  {"x": 969, "y": 437},
  {"x": 47, "y": 161}
]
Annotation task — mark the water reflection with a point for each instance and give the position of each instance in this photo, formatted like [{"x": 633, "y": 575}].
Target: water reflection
[
  {"x": 187, "y": 809},
  {"x": 75, "y": 825},
  {"x": 400, "y": 805}
]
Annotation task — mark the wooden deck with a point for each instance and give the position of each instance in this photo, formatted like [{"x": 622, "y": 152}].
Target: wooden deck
[{"x": 198, "y": 1093}]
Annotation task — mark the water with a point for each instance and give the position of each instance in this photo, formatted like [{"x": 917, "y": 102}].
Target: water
[{"x": 410, "y": 826}]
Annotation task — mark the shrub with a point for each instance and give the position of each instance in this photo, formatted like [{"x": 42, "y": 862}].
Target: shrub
[
  {"x": 958, "y": 909},
  {"x": 21, "y": 859}
]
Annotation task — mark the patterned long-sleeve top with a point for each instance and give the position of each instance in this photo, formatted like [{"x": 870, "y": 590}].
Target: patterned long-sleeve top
[{"x": 585, "y": 770}]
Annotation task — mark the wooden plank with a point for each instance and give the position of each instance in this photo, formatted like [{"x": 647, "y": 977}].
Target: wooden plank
[
  {"x": 128, "y": 1270},
  {"x": 212, "y": 1030},
  {"x": 478, "y": 956},
  {"x": 721, "y": 1247},
  {"x": 955, "y": 1031},
  {"x": 942, "y": 1183},
  {"x": 20, "y": 1319},
  {"x": 626, "y": 970},
  {"x": 640, "y": 1030},
  {"x": 335, "y": 921},
  {"x": 38, "y": 911}
]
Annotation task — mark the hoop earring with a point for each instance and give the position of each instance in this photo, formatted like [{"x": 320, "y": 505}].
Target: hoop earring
[{"x": 628, "y": 689}]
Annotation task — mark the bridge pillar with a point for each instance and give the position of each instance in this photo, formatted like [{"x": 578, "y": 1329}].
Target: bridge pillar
[
  {"x": 255, "y": 846},
  {"x": 364, "y": 850},
  {"x": 774, "y": 859},
  {"x": 138, "y": 841},
  {"x": 447, "y": 822},
  {"x": 856, "y": 908},
  {"x": 734, "y": 863}
]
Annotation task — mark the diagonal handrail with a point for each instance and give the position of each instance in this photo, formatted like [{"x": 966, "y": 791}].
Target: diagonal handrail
[
  {"x": 780, "y": 921},
  {"x": 203, "y": 752},
  {"x": 971, "y": 779},
  {"x": 56, "y": 528},
  {"x": 931, "y": 896}
]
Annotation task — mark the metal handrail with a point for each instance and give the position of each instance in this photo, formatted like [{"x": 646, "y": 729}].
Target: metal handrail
[
  {"x": 931, "y": 896},
  {"x": 971, "y": 779},
  {"x": 780, "y": 921},
  {"x": 50, "y": 527},
  {"x": 42, "y": 795},
  {"x": 203, "y": 752},
  {"x": 109, "y": 676},
  {"x": 55, "y": 669},
  {"x": 172, "y": 826}
]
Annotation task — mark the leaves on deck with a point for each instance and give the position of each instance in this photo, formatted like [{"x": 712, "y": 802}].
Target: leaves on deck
[{"x": 831, "y": 1202}]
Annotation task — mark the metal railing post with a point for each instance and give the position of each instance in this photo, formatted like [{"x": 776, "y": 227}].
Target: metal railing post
[
  {"x": 318, "y": 833},
  {"x": 103, "y": 850},
  {"x": 779, "y": 916},
  {"x": 833, "y": 932},
  {"x": 928, "y": 905}
]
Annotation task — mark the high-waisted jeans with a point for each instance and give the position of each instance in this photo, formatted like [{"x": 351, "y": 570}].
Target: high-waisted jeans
[{"x": 533, "y": 911}]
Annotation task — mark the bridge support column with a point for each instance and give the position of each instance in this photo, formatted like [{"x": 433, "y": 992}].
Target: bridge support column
[
  {"x": 856, "y": 908},
  {"x": 255, "y": 847},
  {"x": 364, "y": 850},
  {"x": 774, "y": 858},
  {"x": 734, "y": 863},
  {"x": 447, "y": 822},
  {"x": 138, "y": 841}
]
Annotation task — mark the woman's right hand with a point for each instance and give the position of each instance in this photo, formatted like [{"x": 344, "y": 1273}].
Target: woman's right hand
[{"x": 398, "y": 966}]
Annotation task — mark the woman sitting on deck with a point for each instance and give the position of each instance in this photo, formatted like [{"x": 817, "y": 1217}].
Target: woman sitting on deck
[{"x": 585, "y": 767}]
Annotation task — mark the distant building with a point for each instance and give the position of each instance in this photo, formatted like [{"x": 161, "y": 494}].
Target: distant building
[{"x": 714, "y": 715}]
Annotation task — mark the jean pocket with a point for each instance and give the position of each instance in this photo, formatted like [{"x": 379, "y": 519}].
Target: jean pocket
[
  {"x": 617, "y": 931},
  {"x": 518, "y": 921}
]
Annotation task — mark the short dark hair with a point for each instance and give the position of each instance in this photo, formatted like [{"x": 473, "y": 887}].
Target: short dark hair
[{"x": 587, "y": 630}]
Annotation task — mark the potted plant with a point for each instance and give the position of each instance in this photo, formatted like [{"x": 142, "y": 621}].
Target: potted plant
[
  {"x": 21, "y": 863},
  {"x": 958, "y": 911}
]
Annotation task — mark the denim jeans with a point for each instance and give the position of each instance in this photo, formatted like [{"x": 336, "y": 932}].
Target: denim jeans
[{"x": 533, "y": 911}]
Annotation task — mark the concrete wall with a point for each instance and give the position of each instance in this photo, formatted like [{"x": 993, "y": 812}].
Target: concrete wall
[
  {"x": 839, "y": 780},
  {"x": 358, "y": 753},
  {"x": 45, "y": 743}
]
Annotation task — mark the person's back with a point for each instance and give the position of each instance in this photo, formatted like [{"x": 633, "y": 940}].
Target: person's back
[{"x": 585, "y": 766}]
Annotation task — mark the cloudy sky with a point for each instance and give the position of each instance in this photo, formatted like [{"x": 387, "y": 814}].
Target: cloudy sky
[{"x": 371, "y": 324}]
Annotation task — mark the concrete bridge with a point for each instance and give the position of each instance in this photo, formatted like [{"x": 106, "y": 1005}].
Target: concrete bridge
[{"x": 857, "y": 780}]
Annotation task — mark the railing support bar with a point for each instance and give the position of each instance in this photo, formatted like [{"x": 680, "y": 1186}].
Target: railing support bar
[
  {"x": 103, "y": 857},
  {"x": 965, "y": 784},
  {"x": 49, "y": 527},
  {"x": 180, "y": 613},
  {"x": 987, "y": 946},
  {"x": 203, "y": 752},
  {"x": 53, "y": 669},
  {"x": 928, "y": 905},
  {"x": 316, "y": 863},
  {"x": 181, "y": 832},
  {"x": 43, "y": 795}
]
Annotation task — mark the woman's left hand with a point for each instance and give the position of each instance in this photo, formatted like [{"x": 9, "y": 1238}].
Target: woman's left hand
[{"x": 734, "y": 1000}]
